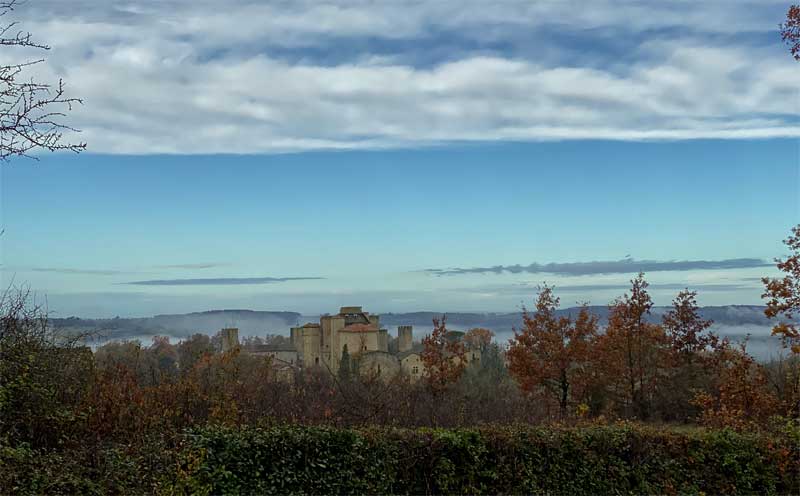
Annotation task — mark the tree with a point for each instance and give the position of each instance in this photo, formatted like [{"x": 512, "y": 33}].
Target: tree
[
  {"x": 345, "y": 367},
  {"x": 31, "y": 113},
  {"x": 690, "y": 344},
  {"x": 478, "y": 339},
  {"x": 740, "y": 397},
  {"x": 687, "y": 331},
  {"x": 550, "y": 351},
  {"x": 631, "y": 352},
  {"x": 790, "y": 30},
  {"x": 443, "y": 357},
  {"x": 783, "y": 295},
  {"x": 192, "y": 349},
  {"x": 44, "y": 374},
  {"x": 164, "y": 359}
]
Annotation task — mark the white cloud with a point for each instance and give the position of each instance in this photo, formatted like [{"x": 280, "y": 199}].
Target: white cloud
[{"x": 208, "y": 77}]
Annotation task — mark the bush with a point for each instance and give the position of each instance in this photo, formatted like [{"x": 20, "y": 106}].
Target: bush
[
  {"x": 512, "y": 460},
  {"x": 106, "y": 469}
]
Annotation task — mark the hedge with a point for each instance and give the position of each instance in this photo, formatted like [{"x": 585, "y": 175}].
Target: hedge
[{"x": 619, "y": 459}]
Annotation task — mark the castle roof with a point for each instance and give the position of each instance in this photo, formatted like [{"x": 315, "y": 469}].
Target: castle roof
[{"x": 311, "y": 325}]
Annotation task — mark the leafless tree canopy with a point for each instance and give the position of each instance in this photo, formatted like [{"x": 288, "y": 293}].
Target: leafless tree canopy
[{"x": 31, "y": 113}]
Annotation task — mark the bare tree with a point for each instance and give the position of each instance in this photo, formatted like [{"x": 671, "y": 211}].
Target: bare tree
[{"x": 31, "y": 113}]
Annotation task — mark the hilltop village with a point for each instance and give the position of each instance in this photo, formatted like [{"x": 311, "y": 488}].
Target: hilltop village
[{"x": 352, "y": 333}]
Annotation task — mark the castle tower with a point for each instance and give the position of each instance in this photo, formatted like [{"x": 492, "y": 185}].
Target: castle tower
[
  {"x": 404, "y": 337},
  {"x": 230, "y": 339}
]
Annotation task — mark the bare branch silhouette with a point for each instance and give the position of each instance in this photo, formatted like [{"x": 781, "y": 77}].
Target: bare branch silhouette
[{"x": 31, "y": 113}]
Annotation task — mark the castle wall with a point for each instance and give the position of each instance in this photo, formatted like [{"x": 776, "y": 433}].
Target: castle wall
[
  {"x": 412, "y": 366},
  {"x": 325, "y": 338},
  {"x": 296, "y": 334},
  {"x": 312, "y": 354},
  {"x": 335, "y": 324},
  {"x": 378, "y": 364},
  {"x": 358, "y": 341},
  {"x": 383, "y": 340},
  {"x": 285, "y": 356}
]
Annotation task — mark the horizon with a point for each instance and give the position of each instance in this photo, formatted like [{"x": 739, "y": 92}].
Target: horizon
[{"x": 424, "y": 311}]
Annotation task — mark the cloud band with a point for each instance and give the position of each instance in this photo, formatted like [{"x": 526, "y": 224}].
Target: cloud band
[{"x": 624, "y": 266}]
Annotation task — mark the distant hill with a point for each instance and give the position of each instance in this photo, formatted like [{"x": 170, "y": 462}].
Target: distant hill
[
  {"x": 262, "y": 322},
  {"x": 250, "y": 322},
  {"x": 729, "y": 315}
]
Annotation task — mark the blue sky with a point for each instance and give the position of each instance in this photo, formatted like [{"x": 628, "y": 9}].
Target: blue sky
[
  {"x": 369, "y": 223},
  {"x": 303, "y": 156}
]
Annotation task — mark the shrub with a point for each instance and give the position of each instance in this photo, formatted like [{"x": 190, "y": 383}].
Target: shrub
[{"x": 622, "y": 458}]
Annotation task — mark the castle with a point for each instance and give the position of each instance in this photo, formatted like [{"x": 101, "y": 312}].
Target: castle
[{"x": 323, "y": 344}]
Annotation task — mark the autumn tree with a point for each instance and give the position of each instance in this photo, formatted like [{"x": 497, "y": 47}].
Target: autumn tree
[
  {"x": 740, "y": 396},
  {"x": 689, "y": 334},
  {"x": 31, "y": 113},
  {"x": 783, "y": 294},
  {"x": 790, "y": 30},
  {"x": 163, "y": 359},
  {"x": 552, "y": 352},
  {"x": 478, "y": 339},
  {"x": 443, "y": 356},
  {"x": 192, "y": 349},
  {"x": 690, "y": 342},
  {"x": 632, "y": 351}
]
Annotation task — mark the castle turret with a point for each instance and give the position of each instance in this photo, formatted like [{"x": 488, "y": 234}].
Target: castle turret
[
  {"x": 230, "y": 339},
  {"x": 404, "y": 337}
]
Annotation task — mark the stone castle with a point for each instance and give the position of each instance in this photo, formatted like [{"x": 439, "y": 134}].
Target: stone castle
[{"x": 323, "y": 344}]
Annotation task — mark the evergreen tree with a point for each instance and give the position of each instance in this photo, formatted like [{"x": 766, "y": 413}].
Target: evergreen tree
[{"x": 345, "y": 367}]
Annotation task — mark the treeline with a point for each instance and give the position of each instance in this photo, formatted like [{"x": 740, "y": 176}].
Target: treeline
[
  {"x": 673, "y": 371},
  {"x": 54, "y": 391}
]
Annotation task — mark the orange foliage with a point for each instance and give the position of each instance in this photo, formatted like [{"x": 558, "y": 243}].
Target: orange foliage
[
  {"x": 741, "y": 398},
  {"x": 790, "y": 30},
  {"x": 115, "y": 406},
  {"x": 687, "y": 331},
  {"x": 632, "y": 354},
  {"x": 552, "y": 352},
  {"x": 783, "y": 295},
  {"x": 478, "y": 339},
  {"x": 443, "y": 357}
]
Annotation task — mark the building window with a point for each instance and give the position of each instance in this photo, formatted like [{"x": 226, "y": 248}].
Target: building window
[
  {"x": 316, "y": 361},
  {"x": 415, "y": 370}
]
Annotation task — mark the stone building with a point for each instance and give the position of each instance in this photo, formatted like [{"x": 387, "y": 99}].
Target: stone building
[{"x": 321, "y": 345}]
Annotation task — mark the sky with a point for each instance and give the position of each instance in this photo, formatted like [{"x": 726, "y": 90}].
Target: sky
[{"x": 443, "y": 156}]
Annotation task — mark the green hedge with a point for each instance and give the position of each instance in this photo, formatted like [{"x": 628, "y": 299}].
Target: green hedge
[{"x": 622, "y": 459}]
